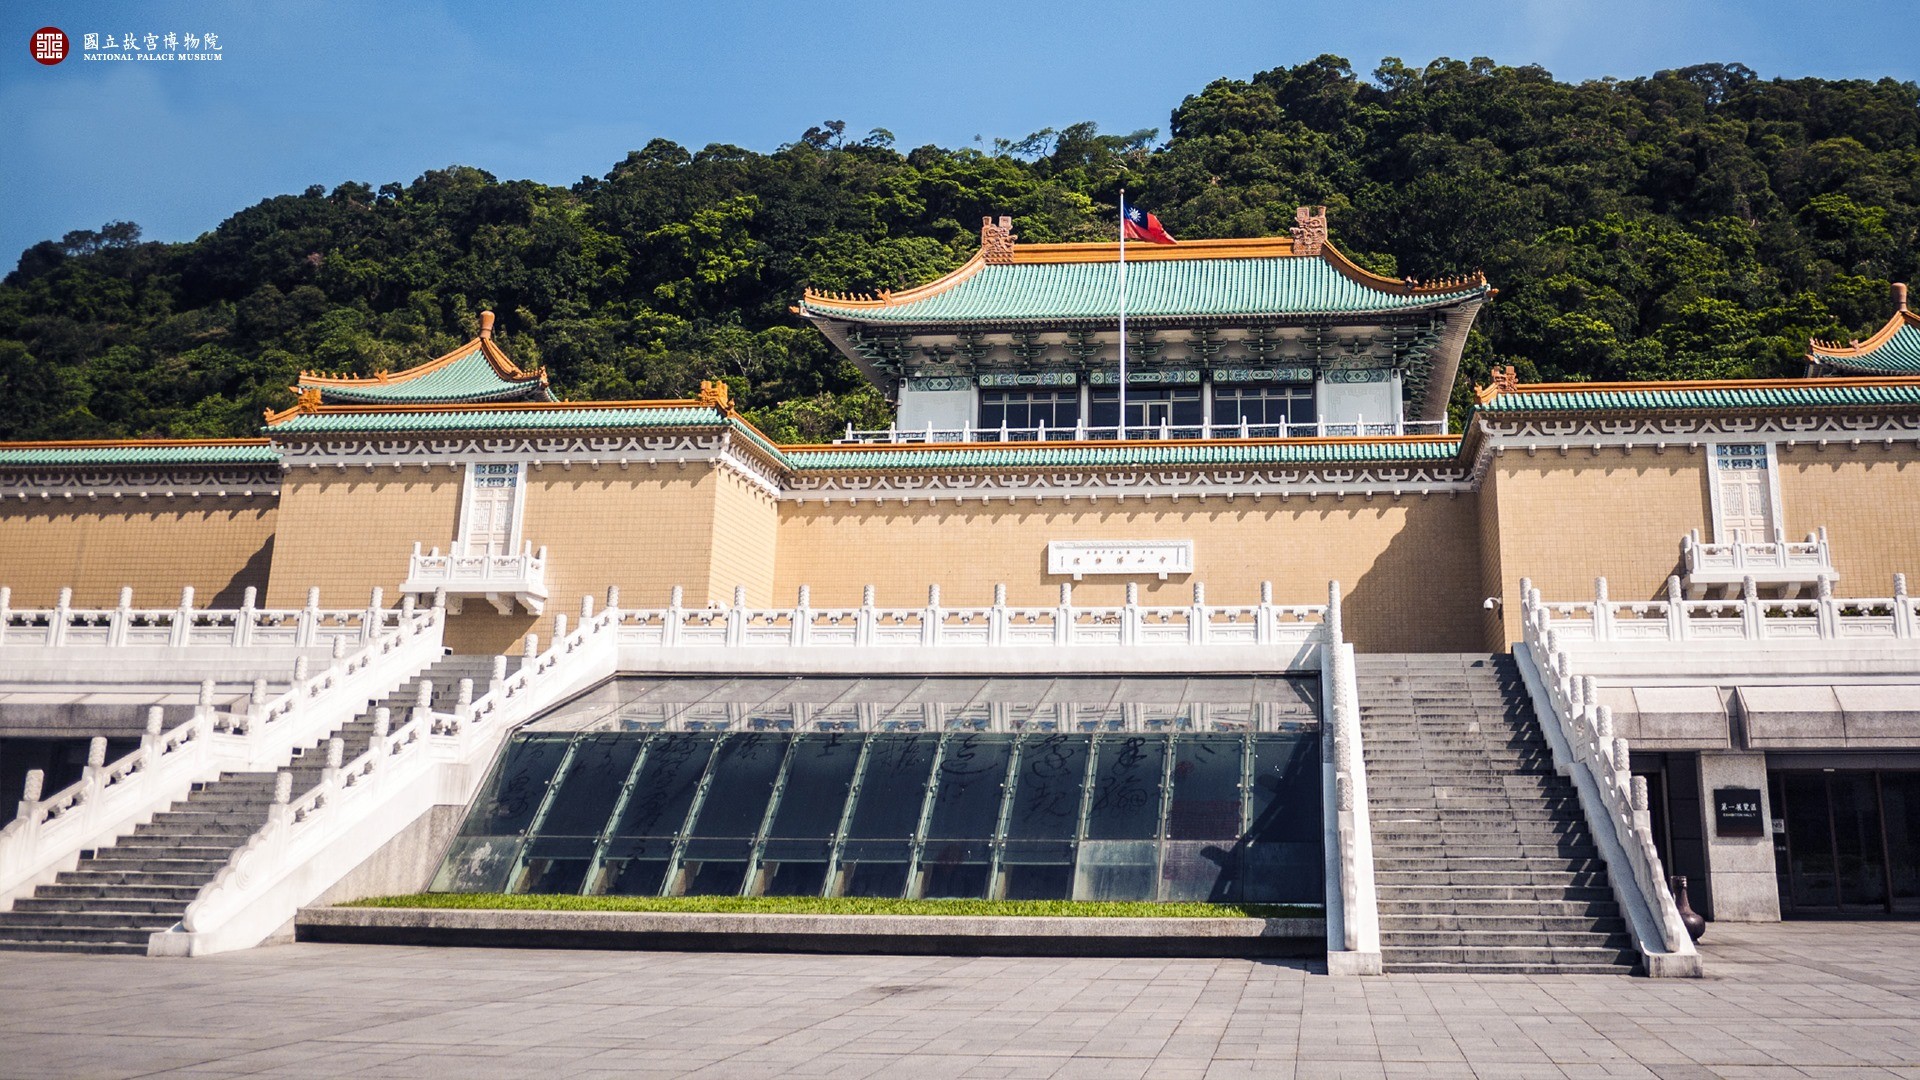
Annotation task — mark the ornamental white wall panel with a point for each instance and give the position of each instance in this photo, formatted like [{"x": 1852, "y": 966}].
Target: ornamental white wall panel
[
  {"x": 944, "y": 409},
  {"x": 1137, "y": 558}
]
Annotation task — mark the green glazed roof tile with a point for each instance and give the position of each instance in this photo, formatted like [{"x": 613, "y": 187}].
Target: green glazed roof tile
[
  {"x": 1280, "y": 285},
  {"x": 1815, "y": 392},
  {"x": 468, "y": 378},
  {"x": 1096, "y": 456},
  {"x": 498, "y": 420},
  {"x": 1899, "y": 354},
  {"x": 138, "y": 455}
]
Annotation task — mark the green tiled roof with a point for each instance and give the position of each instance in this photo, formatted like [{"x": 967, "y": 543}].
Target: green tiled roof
[
  {"x": 1096, "y": 456},
  {"x": 1814, "y": 392},
  {"x": 467, "y": 378},
  {"x": 1899, "y": 354},
  {"x": 498, "y": 420},
  {"x": 138, "y": 455},
  {"x": 1278, "y": 285}
]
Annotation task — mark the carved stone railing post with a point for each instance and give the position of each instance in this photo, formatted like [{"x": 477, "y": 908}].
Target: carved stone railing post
[
  {"x": 737, "y": 616},
  {"x": 6, "y": 611},
  {"x": 586, "y": 609},
  {"x": 800, "y": 627},
  {"x": 1197, "y": 617},
  {"x": 1063, "y": 616},
  {"x": 930, "y": 628},
  {"x": 1676, "y": 610},
  {"x": 249, "y": 615},
  {"x": 30, "y": 796},
  {"x": 1263, "y": 621},
  {"x": 150, "y": 736},
  {"x": 559, "y": 629},
  {"x": 670, "y": 633},
  {"x": 122, "y": 615},
  {"x": 1827, "y": 612},
  {"x": 1602, "y": 611},
  {"x": 1751, "y": 612},
  {"x": 423, "y": 699},
  {"x": 529, "y": 651},
  {"x": 1130, "y": 615},
  {"x": 1903, "y": 618},
  {"x": 62, "y": 614},
  {"x": 309, "y": 623},
  {"x": 863, "y": 620},
  {"x": 997, "y": 618}
]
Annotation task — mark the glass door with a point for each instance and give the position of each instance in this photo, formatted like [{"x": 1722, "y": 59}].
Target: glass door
[{"x": 1835, "y": 842}]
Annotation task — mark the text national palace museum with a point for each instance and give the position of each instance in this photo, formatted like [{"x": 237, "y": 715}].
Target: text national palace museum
[{"x": 1464, "y": 699}]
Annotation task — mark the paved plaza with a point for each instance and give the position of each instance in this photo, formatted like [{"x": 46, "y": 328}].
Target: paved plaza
[{"x": 1800, "y": 999}]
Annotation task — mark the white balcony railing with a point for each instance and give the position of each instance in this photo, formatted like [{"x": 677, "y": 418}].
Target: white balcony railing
[
  {"x": 1165, "y": 431},
  {"x": 65, "y": 626},
  {"x": 1750, "y": 618},
  {"x": 999, "y": 624},
  {"x": 503, "y": 580},
  {"x": 1770, "y": 563}
]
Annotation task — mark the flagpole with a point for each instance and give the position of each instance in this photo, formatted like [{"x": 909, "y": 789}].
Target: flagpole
[{"x": 1123, "y": 313}]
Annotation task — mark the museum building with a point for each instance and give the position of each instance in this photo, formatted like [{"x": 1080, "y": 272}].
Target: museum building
[{"x": 1249, "y": 624}]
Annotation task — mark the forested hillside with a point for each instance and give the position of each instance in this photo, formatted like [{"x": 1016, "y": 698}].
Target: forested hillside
[{"x": 1698, "y": 223}]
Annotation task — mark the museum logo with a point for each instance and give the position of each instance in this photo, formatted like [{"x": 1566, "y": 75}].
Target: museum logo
[{"x": 48, "y": 45}]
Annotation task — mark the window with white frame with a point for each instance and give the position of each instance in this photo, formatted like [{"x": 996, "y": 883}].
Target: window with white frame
[
  {"x": 1277, "y": 403},
  {"x": 1017, "y": 409},
  {"x": 490, "y": 510},
  {"x": 1746, "y": 503}
]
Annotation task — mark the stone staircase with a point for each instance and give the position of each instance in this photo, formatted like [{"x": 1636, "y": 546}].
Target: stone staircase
[
  {"x": 119, "y": 895},
  {"x": 1482, "y": 857}
]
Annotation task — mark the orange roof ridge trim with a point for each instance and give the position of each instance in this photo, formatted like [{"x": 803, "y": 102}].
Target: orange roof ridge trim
[
  {"x": 310, "y": 405},
  {"x": 1505, "y": 381},
  {"x": 502, "y": 364},
  {"x": 1901, "y": 318},
  {"x": 887, "y": 297}
]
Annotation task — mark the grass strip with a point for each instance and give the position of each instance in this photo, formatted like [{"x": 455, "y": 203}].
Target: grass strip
[{"x": 812, "y": 905}]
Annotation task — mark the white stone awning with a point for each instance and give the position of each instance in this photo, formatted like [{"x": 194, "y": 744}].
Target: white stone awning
[{"x": 502, "y": 580}]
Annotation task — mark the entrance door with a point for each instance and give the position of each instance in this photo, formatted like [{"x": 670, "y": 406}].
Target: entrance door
[
  {"x": 1838, "y": 834},
  {"x": 1746, "y": 493},
  {"x": 490, "y": 509}
]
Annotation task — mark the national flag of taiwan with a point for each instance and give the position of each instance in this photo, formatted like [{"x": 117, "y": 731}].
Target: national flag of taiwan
[{"x": 1140, "y": 225}]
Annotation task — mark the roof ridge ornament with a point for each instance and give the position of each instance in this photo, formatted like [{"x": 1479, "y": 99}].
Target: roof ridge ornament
[
  {"x": 1309, "y": 230},
  {"x": 996, "y": 240},
  {"x": 718, "y": 395},
  {"x": 486, "y": 325},
  {"x": 1505, "y": 381}
]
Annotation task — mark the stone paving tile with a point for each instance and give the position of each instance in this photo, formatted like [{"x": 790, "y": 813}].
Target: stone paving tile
[{"x": 1792, "y": 1000}]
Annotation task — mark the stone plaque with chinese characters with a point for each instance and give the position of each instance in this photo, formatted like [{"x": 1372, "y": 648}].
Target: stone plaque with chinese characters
[
  {"x": 1136, "y": 558},
  {"x": 1736, "y": 812}
]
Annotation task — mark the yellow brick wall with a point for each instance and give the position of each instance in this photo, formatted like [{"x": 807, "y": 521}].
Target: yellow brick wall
[
  {"x": 1868, "y": 498},
  {"x": 349, "y": 530},
  {"x": 1563, "y": 521},
  {"x": 218, "y": 545},
  {"x": 746, "y": 532},
  {"x": 1493, "y": 624},
  {"x": 1410, "y": 566}
]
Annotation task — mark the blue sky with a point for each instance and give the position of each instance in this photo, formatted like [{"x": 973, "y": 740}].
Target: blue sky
[{"x": 317, "y": 93}]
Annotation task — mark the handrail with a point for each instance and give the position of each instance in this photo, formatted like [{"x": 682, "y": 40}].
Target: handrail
[
  {"x": 111, "y": 797},
  {"x": 1823, "y": 617},
  {"x": 967, "y": 433},
  {"x": 254, "y": 893},
  {"x": 1585, "y": 729},
  {"x": 1358, "y": 928},
  {"x": 992, "y": 625},
  {"x": 1740, "y": 553},
  {"x": 185, "y": 625}
]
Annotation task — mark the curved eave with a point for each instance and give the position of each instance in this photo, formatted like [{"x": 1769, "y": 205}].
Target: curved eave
[
  {"x": 887, "y": 308},
  {"x": 394, "y": 387},
  {"x": 1277, "y": 318},
  {"x": 1893, "y": 349}
]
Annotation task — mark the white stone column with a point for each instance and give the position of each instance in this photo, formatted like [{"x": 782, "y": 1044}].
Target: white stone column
[{"x": 1741, "y": 868}]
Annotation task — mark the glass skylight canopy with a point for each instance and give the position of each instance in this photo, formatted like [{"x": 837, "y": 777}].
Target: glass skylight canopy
[{"x": 1183, "y": 789}]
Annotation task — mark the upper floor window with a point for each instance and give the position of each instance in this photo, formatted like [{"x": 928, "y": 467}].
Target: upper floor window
[
  {"x": 1148, "y": 407},
  {"x": 1263, "y": 405},
  {"x": 1017, "y": 409},
  {"x": 490, "y": 511}
]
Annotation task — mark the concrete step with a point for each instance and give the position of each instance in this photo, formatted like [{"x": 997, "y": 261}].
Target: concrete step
[
  {"x": 89, "y": 876},
  {"x": 1521, "y": 939},
  {"x": 91, "y": 947},
  {"x": 119, "y": 893},
  {"x": 133, "y": 850},
  {"x": 13, "y": 921},
  {"x": 1494, "y": 958},
  {"x": 38, "y": 905},
  {"x": 1432, "y": 894},
  {"x": 129, "y": 935},
  {"x": 1449, "y": 876},
  {"x": 1398, "y": 925},
  {"x": 1501, "y": 909},
  {"x": 1552, "y": 863}
]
